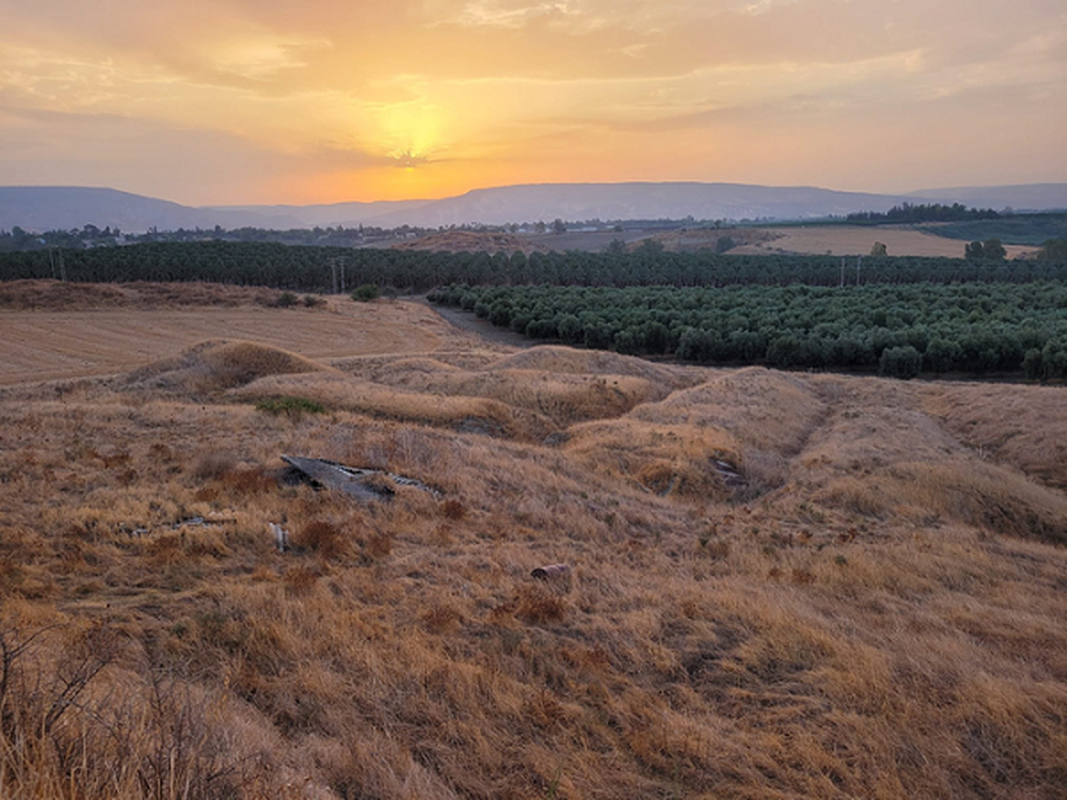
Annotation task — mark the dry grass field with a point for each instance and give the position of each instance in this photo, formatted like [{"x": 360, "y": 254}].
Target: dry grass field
[
  {"x": 847, "y": 240},
  {"x": 781, "y": 585},
  {"x": 56, "y": 331}
]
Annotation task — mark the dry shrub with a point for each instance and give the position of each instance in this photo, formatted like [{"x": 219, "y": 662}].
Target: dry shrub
[
  {"x": 249, "y": 481},
  {"x": 379, "y": 545},
  {"x": 854, "y": 496},
  {"x": 118, "y": 458},
  {"x": 161, "y": 452},
  {"x": 320, "y": 536},
  {"x": 539, "y": 606},
  {"x": 453, "y": 509},
  {"x": 763, "y": 470},
  {"x": 716, "y": 551},
  {"x": 300, "y": 580},
  {"x": 442, "y": 618},
  {"x": 213, "y": 465},
  {"x": 11, "y": 575},
  {"x": 164, "y": 550},
  {"x": 83, "y": 715}
]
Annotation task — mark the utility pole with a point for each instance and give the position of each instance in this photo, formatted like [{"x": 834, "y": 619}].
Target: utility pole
[
  {"x": 337, "y": 273},
  {"x": 859, "y": 260},
  {"x": 842, "y": 272}
]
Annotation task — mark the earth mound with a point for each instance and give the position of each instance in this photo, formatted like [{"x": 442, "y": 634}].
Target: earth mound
[{"x": 214, "y": 366}]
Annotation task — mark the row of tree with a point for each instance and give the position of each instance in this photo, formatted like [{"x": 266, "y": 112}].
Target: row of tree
[
  {"x": 922, "y": 212},
  {"x": 313, "y": 268},
  {"x": 973, "y": 328}
]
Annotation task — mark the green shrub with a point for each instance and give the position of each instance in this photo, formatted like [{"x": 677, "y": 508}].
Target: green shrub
[
  {"x": 900, "y": 362},
  {"x": 285, "y": 300},
  {"x": 366, "y": 293}
]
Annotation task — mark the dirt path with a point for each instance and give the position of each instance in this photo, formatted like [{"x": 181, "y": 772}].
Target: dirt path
[{"x": 470, "y": 322}]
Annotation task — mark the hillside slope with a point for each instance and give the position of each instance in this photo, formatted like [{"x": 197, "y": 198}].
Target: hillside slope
[{"x": 778, "y": 585}]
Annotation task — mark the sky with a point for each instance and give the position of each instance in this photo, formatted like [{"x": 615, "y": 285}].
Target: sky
[{"x": 262, "y": 101}]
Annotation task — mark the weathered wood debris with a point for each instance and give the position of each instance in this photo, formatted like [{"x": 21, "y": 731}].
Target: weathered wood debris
[
  {"x": 729, "y": 473},
  {"x": 362, "y": 484},
  {"x": 281, "y": 536},
  {"x": 550, "y": 571}
]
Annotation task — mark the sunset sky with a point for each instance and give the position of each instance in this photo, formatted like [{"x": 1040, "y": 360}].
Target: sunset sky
[{"x": 262, "y": 101}]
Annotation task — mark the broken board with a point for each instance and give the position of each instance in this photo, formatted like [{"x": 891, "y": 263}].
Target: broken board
[{"x": 362, "y": 484}]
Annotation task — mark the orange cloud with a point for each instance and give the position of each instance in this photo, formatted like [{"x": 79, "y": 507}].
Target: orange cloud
[{"x": 327, "y": 99}]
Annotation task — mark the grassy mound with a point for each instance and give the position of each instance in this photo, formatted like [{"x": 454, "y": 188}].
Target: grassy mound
[
  {"x": 551, "y": 382},
  {"x": 1025, "y": 426},
  {"x": 215, "y": 366},
  {"x": 558, "y": 359},
  {"x": 462, "y": 413},
  {"x": 668, "y": 460},
  {"x": 763, "y": 409}
]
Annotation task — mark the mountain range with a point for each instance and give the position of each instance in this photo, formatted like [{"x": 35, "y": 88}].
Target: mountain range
[{"x": 41, "y": 208}]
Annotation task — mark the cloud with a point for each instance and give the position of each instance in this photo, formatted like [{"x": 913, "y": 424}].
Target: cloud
[
  {"x": 191, "y": 165},
  {"x": 603, "y": 86}
]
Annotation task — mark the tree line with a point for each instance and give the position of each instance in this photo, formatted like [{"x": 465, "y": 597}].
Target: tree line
[
  {"x": 907, "y": 213},
  {"x": 313, "y": 269}
]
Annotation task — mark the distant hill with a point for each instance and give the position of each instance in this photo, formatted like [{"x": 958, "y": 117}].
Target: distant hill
[
  {"x": 614, "y": 201},
  {"x": 49, "y": 208},
  {"x": 330, "y": 215},
  {"x": 1024, "y": 197},
  {"x": 42, "y": 208}
]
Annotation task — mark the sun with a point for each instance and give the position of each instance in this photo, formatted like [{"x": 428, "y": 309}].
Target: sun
[{"x": 412, "y": 133}]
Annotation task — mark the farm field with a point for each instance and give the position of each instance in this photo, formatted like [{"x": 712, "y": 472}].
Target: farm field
[
  {"x": 51, "y": 345},
  {"x": 847, "y": 240},
  {"x": 777, "y": 585}
]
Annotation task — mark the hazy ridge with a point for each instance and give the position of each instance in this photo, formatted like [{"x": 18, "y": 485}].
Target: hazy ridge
[{"x": 49, "y": 208}]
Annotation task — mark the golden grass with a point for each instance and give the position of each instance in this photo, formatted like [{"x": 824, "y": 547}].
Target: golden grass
[
  {"x": 1022, "y": 425},
  {"x": 857, "y": 241},
  {"x": 52, "y": 344},
  {"x": 886, "y": 619},
  {"x": 214, "y": 366}
]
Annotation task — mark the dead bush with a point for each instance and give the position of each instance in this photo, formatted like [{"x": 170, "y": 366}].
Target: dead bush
[
  {"x": 212, "y": 466},
  {"x": 249, "y": 481},
  {"x": 299, "y": 581},
  {"x": 442, "y": 618},
  {"x": 453, "y": 509},
  {"x": 320, "y": 536},
  {"x": 539, "y": 606},
  {"x": 379, "y": 545}
]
